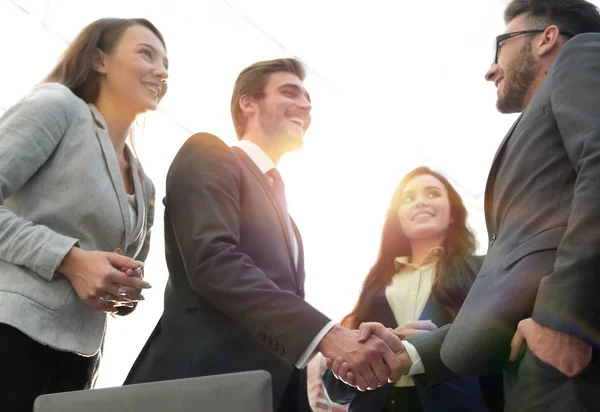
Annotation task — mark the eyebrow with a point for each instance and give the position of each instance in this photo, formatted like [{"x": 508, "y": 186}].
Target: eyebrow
[
  {"x": 426, "y": 188},
  {"x": 165, "y": 61},
  {"x": 297, "y": 88}
]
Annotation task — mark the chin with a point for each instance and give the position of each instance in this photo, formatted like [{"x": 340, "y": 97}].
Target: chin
[
  {"x": 426, "y": 232},
  {"x": 294, "y": 143}
]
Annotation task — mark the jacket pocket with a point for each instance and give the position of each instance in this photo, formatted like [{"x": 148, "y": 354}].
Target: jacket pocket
[{"x": 547, "y": 239}]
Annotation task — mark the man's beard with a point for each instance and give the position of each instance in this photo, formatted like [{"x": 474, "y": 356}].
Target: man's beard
[{"x": 519, "y": 76}]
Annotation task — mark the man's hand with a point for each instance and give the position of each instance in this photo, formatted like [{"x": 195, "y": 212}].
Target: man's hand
[
  {"x": 566, "y": 353},
  {"x": 368, "y": 332},
  {"x": 370, "y": 361}
]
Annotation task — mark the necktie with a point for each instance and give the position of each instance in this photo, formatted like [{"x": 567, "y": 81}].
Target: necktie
[{"x": 278, "y": 189}]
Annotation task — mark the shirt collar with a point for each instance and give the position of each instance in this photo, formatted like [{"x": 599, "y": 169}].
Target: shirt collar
[
  {"x": 432, "y": 257},
  {"x": 257, "y": 155}
]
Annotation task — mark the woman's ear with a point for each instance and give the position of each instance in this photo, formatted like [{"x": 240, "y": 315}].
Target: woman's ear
[{"x": 100, "y": 61}]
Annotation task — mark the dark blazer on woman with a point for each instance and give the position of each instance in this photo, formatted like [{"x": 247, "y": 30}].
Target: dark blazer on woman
[{"x": 459, "y": 393}]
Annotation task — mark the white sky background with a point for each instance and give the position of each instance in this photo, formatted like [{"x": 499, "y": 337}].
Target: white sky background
[{"x": 394, "y": 85}]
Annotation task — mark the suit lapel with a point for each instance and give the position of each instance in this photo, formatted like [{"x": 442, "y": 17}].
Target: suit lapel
[
  {"x": 491, "y": 180},
  {"x": 110, "y": 157},
  {"x": 435, "y": 312},
  {"x": 260, "y": 177},
  {"x": 381, "y": 311}
]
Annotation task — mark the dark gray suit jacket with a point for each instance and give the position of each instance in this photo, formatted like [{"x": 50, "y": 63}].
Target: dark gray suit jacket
[
  {"x": 235, "y": 298},
  {"x": 542, "y": 209}
]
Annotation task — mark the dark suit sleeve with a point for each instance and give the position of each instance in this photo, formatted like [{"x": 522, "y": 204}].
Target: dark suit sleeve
[
  {"x": 203, "y": 207},
  {"x": 336, "y": 390},
  {"x": 567, "y": 299},
  {"x": 429, "y": 345}
]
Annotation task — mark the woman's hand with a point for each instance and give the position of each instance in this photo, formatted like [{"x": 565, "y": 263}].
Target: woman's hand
[
  {"x": 128, "y": 296},
  {"x": 95, "y": 277},
  {"x": 416, "y": 327}
]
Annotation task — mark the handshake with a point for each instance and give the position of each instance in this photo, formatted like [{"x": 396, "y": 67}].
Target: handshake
[{"x": 371, "y": 356}]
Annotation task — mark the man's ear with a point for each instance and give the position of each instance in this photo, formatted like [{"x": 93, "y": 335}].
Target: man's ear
[
  {"x": 100, "y": 63},
  {"x": 247, "y": 104},
  {"x": 549, "y": 41}
]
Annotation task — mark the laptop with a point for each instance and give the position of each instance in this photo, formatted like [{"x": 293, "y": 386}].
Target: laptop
[{"x": 243, "y": 391}]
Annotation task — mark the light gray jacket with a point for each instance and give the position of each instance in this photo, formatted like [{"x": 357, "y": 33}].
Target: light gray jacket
[{"x": 60, "y": 186}]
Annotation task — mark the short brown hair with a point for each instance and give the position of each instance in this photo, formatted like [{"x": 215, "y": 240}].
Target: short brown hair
[
  {"x": 74, "y": 68},
  {"x": 252, "y": 81},
  {"x": 573, "y": 16}
]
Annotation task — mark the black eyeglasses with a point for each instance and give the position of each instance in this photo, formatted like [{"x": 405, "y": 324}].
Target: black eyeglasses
[{"x": 507, "y": 36}]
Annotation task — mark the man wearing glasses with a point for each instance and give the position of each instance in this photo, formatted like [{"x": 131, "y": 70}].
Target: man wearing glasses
[{"x": 534, "y": 310}]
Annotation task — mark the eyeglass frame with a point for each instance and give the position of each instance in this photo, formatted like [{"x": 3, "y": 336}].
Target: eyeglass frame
[{"x": 506, "y": 36}]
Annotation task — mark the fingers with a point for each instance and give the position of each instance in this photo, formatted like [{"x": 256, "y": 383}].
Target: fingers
[
  {"x": 120, "y": 278},
  {"x": 392, "y": 363},
  {"x": 411, "y": 332},
  {"x": 391, "y": 337},
  {"x": 135, "y": 273},
  {"x": 351, "y": 379},
  {"x": 425, "y": 325},
  {"x": 361, "y": 383},
  {"x": 130, "y": 294},
  {"x": 121, "y": 261},
  {"x": 344, "y": 369},
  {"x": 517, "y": 343},
  {"x": 375, "y": 371},
  {"x": 369, "y": 328},
  {"x": 336, "y": 365}
]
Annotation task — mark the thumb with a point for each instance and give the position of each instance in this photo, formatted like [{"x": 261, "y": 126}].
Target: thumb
[
  {"x": 120, "y": 261},
  {"x": 365, "y": 331},
  {"x": 516, "y": 345}
]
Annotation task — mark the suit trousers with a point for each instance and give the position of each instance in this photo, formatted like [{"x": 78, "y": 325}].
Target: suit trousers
[
  {"x": 535, "y": 386},
  {"x": 30, "y": 369},
  {"x": 295, "y": 397}
]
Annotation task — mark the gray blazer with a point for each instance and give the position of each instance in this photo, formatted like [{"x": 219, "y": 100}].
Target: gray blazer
[
  {"x": 542, "y": 208},
  {"x": 60, "y": 186}
]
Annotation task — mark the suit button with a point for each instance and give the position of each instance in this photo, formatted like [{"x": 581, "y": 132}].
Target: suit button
[
  {"x": 280, "y": 350},
  {"x": 492, "y": 239},
  {"x": 274, "y": 345}
]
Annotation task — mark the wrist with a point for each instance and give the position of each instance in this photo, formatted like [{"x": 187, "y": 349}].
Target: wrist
[
  {"x": 328, "y": 338},
  {"x": 66, "y": 266}
]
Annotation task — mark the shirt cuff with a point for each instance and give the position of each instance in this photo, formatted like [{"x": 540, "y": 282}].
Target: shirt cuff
[
  {"x": 310, "y": 351},
  {"x": 417, "y": 366}
]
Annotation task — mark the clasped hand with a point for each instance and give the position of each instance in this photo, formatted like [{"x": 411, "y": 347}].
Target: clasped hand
[
  {"x": 369, "y": 357},
  {"x": 104, "y": 280}
]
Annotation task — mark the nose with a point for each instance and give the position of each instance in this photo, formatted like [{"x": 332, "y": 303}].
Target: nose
[
  {"x": 421, "y": 201},
  {"x": 490, "y": 75},
  {"x": 161, "y": 72},
  {"x": 305, "y": 104}
]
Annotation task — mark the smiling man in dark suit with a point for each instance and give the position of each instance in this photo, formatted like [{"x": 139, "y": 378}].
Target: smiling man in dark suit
[
  {"x": 536, "y": 298},
  {"x": 235, "y": 297}
]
